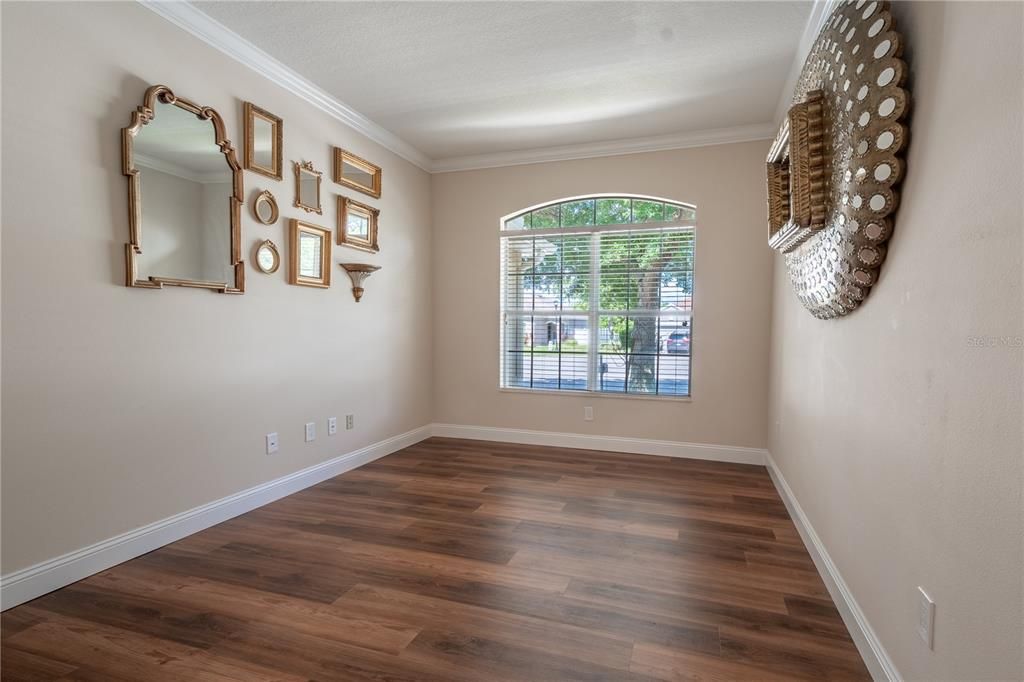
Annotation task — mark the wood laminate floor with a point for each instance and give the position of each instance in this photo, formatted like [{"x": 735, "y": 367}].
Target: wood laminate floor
[{"x": 463, "y": 560}]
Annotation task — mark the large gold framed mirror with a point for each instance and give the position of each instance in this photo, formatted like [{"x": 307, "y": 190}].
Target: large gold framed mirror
[
  {"x": 184, "y": 197},
  {"x": 264, "y": 134},
  {"x": 307, "y": 187}
]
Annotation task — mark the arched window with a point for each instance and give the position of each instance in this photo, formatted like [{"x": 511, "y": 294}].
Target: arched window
[{"x": 613, "y": 274}]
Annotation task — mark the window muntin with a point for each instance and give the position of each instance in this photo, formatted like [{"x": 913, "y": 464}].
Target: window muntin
[{"x": 597, "y": 296}]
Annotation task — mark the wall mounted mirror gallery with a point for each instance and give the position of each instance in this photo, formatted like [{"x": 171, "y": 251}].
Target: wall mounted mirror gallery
[
  {"x": 266, "y": 257},
  {"x": 357, "y": 225},
  {"x": 185, "y": 200},
  {"x": 309, "y": 252},
  {"x": 307, "y": 187},
  {"x": 184, "y": 197},
  {"x": 264, "y": 208},
  {"x": 356, "y": 172},
  {"x": 264, "y": 133}
]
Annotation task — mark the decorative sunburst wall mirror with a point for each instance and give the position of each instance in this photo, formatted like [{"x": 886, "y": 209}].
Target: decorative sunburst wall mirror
[{"x": 835, "y": 165}]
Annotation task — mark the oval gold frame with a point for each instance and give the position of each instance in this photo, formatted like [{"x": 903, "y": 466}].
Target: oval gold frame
[
  {"x": 266, "y": 243},
  {"x": 266, "y": 196}
]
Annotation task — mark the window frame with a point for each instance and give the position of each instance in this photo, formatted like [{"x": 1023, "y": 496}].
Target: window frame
[{"x": 594, "y": 313}]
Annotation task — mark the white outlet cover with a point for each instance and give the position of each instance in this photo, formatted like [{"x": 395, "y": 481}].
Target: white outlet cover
[
  {"x": 310, "y": 431},
  {"x": 332, "y": 426},
  {"x": 350, "y": 422},
  {"x": 271, "y": 443},
  {"x": 588, "y": 414}
]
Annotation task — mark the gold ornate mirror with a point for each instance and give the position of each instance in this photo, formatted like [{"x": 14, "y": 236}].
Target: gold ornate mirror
[
  {"x": 357, "y": 225},
  {"x": 264, "y": 134},
  {"x": 266, "y": 257},
  {"x": 356, "y": 172},
  {"x": 184, "y": 197},
  {"x": 264, "y": 208},
  {"x": 307, "y": 187}
]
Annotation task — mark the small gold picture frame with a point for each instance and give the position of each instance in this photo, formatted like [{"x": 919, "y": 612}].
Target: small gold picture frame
[
  {"x": 264, "y": 208},
  {"x": 307, "y": 187},
  {"x": 266, "y": 257},
  {"x": 264, "y": 135},
  {"x": 356, "y": 172},
  {"x": 357, "y": 225},
  {"x": 309, "y": 258}
]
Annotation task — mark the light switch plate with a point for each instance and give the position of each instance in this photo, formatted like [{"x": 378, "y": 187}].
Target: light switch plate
[
  {"x": 588, "y": 414},
  {"x": 332, "y": 426},
  {"x": 310, "y": 431},
  {"x": 271, "y": 443}
]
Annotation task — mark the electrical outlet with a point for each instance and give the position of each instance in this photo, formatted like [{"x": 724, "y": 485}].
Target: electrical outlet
[
  {"x": 332, "y": 426},
  {"x": 310, "y": 432},
  {"x": 350, "y": 422},
  {"x": 588, "y": 414},
  {"x": 271, "y": 443},
  {"x": 925, "y": 618}
]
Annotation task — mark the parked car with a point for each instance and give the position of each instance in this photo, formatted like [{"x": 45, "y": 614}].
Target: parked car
[{"x": 678, "y": 342}]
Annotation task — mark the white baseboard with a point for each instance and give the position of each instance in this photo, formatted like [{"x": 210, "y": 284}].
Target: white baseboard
[
  {"x": 34, "y": 581},
  {"x": 870, "y": 647},
  {"x": 638, "y": 446}
]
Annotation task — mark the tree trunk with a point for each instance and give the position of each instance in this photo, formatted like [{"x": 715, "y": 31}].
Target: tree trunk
[{"x": 642, "y": 363}]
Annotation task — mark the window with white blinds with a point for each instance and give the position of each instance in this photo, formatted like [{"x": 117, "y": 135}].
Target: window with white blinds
[{"x": 596, "y": 295}]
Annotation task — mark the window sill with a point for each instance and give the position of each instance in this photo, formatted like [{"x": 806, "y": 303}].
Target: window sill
[{"x": 599, "y": 394}]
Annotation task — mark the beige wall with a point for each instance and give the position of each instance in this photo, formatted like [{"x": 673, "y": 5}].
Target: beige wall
[
  {"x": 122, "y": 407},
  {"x": 732, "y": 299},
  {"x": 902, "y": 440}
]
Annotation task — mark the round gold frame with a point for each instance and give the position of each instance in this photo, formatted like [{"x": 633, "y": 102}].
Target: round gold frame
[
  {"x": 272, "y": 248},
  {"x": 265, "y": 197},
  {"x": 849, "y": 104}
]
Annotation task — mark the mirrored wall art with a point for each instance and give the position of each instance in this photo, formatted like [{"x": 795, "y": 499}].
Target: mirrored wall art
[
  {"x": 356, "y": 172},
  {"x": 266, "y": 257},
  {"x": 357, "y": 225},
  {"x": 835, "y": 167},
  {"x": 264, "y": 208},
  {"x": 307, "y": 187},
  {"x": 264, "y": 135},
  {"x": 184, "y": 197},
  {"x": 309, "y": 255}
]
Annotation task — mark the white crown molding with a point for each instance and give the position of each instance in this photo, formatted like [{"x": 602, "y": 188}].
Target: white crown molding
[
  {"x": 215, "y": 34},
  {"x": 637, "y": 446},
  {"x": 589, "y": 150},
  {"x": 864, "y": 636},
  {"x": 21, "y": 586},
  {"x": 820, "y": 12}
]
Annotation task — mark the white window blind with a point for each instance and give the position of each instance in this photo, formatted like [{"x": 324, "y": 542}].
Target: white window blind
[{"x": 596, "y": 295}]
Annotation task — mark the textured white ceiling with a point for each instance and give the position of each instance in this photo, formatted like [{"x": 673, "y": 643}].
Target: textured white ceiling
[{"x": 462, "y": 78}]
